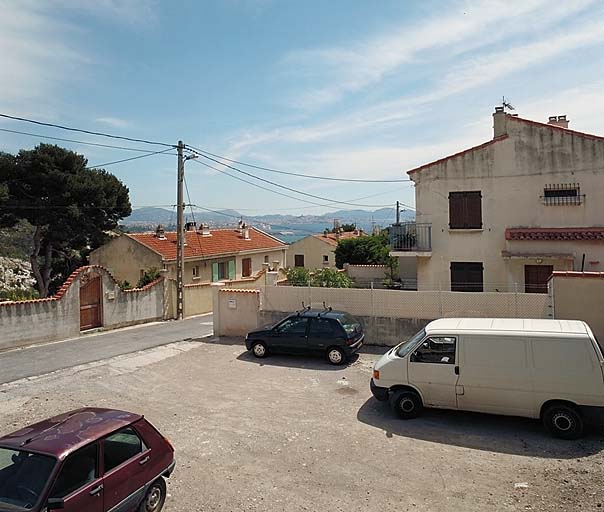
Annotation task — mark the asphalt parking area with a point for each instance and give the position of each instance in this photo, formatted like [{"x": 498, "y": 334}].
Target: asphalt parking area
[{"x": 291, "y": 433}]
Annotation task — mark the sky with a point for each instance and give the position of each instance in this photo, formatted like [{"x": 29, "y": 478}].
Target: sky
[{"x": 345, "y": 88}]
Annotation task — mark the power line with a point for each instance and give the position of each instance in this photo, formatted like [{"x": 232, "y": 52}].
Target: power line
[
  {"x": 99, "y": 134},
  {"x": 285, "y": 187},
  {"x": 86, "y": 143},
  {"x": 131, "y": 158},
  {"x": 300, "y": 175}
]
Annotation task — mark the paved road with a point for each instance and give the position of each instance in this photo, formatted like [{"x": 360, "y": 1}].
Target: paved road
[{"x": 41, "y": 359}]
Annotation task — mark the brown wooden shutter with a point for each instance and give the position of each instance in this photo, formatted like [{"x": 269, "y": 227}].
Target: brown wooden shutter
[
  {"x": 473, "y": 202},
  {"x": 456, "y": 210}
]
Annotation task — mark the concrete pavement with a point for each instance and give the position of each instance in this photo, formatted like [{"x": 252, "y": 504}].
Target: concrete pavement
[{"x": 40, "y": 359}]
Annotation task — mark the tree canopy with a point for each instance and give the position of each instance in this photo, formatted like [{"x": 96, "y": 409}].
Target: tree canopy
[
  {"x": 363, "y": 250},
  {"x": 70, "y": 206}
]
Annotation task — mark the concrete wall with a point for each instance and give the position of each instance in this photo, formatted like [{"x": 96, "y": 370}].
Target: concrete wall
[
  {"x": 125, "y": 258},
  {"x": 313, "y": 249},
  {"x": 580, "y": 296},
  {"x": 58, "y": 317},
  {"x": 511, "y": 174},
  {"x": 408, "y": 304},
  {"x": 235, "y": 311}
]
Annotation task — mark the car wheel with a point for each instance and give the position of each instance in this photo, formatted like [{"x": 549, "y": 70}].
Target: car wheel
[
  {"x": 155, "y": 498},
  {"x": 563, "y": 421},
  {"x": 336, "y": 355},
  {"x": 406, "y": 404},
  {"x": 259, "y": 349}
]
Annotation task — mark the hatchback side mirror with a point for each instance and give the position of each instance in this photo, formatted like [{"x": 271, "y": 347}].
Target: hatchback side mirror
[{"x": 55, "y": 504}]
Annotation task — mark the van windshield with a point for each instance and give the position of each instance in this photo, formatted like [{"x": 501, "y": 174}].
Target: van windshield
[
  {"x": 23, "y": 476},
  {"x": 406, "y": 346}
]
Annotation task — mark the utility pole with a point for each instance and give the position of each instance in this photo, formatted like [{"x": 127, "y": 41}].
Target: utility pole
[
  {"x": 180, "y": 235},
  {"x": 398, "y": 213}
]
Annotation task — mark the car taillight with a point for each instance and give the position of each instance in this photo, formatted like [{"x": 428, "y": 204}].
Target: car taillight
[
  {"x": 376, "y": 374},
  {"x": 349, "y": 341},
  {"x": 169, "y": 443}
]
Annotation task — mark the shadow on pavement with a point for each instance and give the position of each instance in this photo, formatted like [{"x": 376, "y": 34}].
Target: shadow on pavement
[
  {"x": 307, "y": 362},
  {"x": 503, "y": 434}
]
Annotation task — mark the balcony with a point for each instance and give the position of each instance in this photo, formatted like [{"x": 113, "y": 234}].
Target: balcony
[{"x": 411, "y": 239}]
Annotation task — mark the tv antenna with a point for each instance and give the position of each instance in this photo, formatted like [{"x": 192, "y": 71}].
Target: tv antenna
[{"x": 506, "y": 105}]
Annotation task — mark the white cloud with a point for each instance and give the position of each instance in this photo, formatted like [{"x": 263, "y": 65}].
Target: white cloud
[
  {"x": 114, "y": 122},
  {"x": 467, "y": 26}
]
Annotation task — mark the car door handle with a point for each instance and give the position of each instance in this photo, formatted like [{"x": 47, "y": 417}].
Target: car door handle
[
  {"x": 144, "y": 461},
  {"x": 96, "y": 491}
]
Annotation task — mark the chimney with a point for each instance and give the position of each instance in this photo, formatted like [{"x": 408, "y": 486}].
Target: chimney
[
  {"x": 499, "y": 122},
  {"x": 205, "y": 230},
  {"x": 560, "y": 121},
  {"x": 245, "y": 232},
  {"x": 160, "y": 233},
  {"x": 190, "y": 226}
]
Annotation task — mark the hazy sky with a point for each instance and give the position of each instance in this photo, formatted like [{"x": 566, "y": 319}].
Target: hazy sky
[{"x": 339, "y": 88}]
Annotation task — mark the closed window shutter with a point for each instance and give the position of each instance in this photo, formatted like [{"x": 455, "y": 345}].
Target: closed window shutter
[
  {"x": 231, "y": 269},
  {"x": 456, "y": 210},
  {"x": 474, "y": 210},
  {"x": 214, "y": 272}
]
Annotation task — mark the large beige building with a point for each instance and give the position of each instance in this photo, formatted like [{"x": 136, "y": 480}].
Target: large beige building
[
  {"x": 505, "y": 214},
  {"x": 210, "y": 255}
]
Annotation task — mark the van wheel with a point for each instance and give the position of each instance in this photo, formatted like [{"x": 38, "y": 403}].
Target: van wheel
[
  {"x": 336, "y": 355},
  {"x": 563, "y": 421},
  {"x": 406, "y": 404},
  {"x": 259, "y": 349},
  {"x": 155, "y": 498}
]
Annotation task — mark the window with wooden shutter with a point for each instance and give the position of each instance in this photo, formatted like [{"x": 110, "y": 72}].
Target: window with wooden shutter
[
  {"x": 298, "y": 260},
  {"x": 465, "y": 210},
  {"x": 231, "y": 269},
  {"x": 215, "y": 276},
  {"x": 466, "y": 277},
  {"x": 246, "y": 267}
]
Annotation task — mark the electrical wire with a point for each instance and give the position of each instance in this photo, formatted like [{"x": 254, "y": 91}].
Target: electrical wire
[
  {"x": 89, "y": 132},
  {"x": 192, "y": 213},
  {"x": 85, "y": 143},
  {"x": 300, "y": 175},
  {"x": 314, "y": 196},
  {"x": 131, "y": 158}
]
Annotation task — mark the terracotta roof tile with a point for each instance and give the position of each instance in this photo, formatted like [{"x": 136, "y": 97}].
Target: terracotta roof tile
[
  {"x": 331, "y": 238},
  {"x": 222, "y": 241},
  {"x": 554, "y": 234}
]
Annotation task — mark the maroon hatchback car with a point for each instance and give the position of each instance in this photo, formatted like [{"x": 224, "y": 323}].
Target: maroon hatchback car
[{"x": 88, "y": 460}]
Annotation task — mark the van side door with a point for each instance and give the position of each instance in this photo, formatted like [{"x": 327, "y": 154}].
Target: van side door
[{"x": 432, "y": 369}]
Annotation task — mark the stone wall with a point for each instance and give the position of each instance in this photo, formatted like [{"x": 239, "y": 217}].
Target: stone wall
[{"x": 58, "y": 317}]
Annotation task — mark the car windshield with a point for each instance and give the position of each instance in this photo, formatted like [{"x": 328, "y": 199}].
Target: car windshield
[
  {"x": 406, "y": 346},
  {"x": 350, "y": 324},
  {"x": 23, "y": 476}
]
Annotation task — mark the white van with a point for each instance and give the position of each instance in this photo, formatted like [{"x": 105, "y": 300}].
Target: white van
[{"x": 548, "y": 369}]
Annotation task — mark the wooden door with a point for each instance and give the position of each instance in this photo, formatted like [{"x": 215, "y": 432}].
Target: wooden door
[
  {"x": 90, "y": 303},
  {"x": 536, "y": 277}
]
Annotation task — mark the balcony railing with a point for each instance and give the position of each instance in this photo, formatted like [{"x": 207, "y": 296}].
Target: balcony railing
[{"x": 411, "y": 237}]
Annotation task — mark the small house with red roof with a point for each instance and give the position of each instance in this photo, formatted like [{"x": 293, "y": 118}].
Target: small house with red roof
[
  {"x": 318, "y": 251},
  {"x": 503, "y": 215},
  {"x": 210, "y": 255}
]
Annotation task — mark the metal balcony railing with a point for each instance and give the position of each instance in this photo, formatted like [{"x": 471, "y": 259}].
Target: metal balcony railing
[{"x": 411, "y": 237}]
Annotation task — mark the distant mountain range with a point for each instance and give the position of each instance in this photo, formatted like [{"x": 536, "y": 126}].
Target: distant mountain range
[
  {"x": 287, "y": 228},
  {"x": 150, "y": 217}
]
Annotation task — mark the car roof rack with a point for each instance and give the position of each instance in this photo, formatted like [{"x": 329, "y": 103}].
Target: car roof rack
[
  {"x": 326, "y": 309},
  {"x": 303, "y": 310}
]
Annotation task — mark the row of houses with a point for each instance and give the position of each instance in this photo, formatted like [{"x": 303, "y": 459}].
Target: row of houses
[{"x": 505, "y": 214}]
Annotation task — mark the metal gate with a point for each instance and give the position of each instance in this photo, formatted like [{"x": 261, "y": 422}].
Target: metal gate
[{"x": 90, "y": 302}]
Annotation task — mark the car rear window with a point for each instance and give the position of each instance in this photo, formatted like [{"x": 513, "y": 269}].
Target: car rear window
[{"x": 350, "y": 324}]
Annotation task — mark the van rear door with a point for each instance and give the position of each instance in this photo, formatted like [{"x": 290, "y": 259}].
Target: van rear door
[{"x": 432, "y": 369}]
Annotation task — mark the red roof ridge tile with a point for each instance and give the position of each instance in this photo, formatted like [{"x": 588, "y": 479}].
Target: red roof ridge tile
[
  {"x": 238, "y": 290},
  {"x": 572, "y": 233},
  {"x": 460, "y": 153},
  {"x": 557, "y": 128}
]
